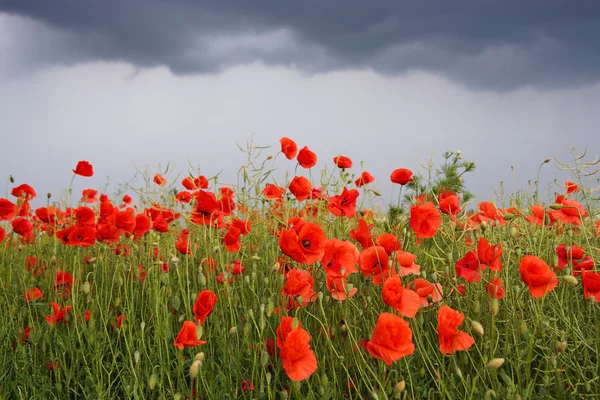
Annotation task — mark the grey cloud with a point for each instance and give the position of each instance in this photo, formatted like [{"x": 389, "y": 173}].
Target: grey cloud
[{"x": 486, "y": 44}]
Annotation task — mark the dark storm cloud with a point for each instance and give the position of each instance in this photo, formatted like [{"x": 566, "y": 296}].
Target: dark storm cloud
[{"x": 483, "y": 43}]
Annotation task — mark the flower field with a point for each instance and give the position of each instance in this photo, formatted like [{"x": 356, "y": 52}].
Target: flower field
[{"x": 301, "y": 288}]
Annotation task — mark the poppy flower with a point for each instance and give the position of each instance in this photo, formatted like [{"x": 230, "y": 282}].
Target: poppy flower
[
  {"x": 273, "y": 192},
  {"x": 425, "y": 220},
  {"x": 401, "y": 299},
  {"x": 2, "y": 234},
  {"x": 401, "y": 176},
  {"x": 570, "y": 214},
  {"x": 468, "y": 267},
  {"x": 306, "y": 158},
  {"x": 490, "y": 213},
  {"x": 204, "y": 305},
  {"x": 338, "y": 287},
  {"x": 374, "y": 261},
  {"x": 428, "y": 293},
  {"x": 231, "y": 240},
  {"x": 364, "y": 179},
  {"x": 305, "y": 246},
  {"x": 299, "y": 361},
  {"x": 299, "y": 283},
  {"x": 495, "y": 288},
  {"x": 342, "y": 162},
  {"x": 339, "y": 258},
  {"x": 489, "y": 256},
  {"x": 343, "y": 205},
  {"x": 84, "y": 168},
  {"x": 89, "y": 196},
  {"x": 537, "y": 275},
  {"x": 288, "y": 148},
  {"x": 591, "y": 285},
  {"x": 284, "y": 328},
  {"x": 236, "y": 267},
  {"x": 57, "y": 315},
  {"x": 22, "y": 227},
  {"x": 538, "y": 215},
  {"x": 406, "y": 262},
  {"x": 389, "y": 242},
  {"x": 24, "y": 191},
  {"x": 7, "y": 210},
  {"x": 301, "y": 188},
  {"x": 187, "y": 336},
  {"x": 33, "y": 294},
  {"x": 160, "y": 180},
  {"x": 451, "y": 339},
  {"x": 571, "y": 187},
  {"x": 391, "y": 340},
  {"x": 362, "y": 234},
  {"x": 449, "y": 203}
]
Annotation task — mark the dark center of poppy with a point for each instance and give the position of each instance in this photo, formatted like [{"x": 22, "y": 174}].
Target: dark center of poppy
[{"x": 306, "y": 243}]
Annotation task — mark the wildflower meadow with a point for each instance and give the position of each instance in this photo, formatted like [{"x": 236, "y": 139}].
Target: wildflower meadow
[{"x": 307, "y": 285}]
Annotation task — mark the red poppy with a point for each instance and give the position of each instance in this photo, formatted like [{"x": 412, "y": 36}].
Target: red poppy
[
  {"x": 389, "y": 242},
  {"x": 58, "y": 315},
  {"x": 236, "y": 267},
  {"x": 339, "y": 288},
  {"x": 339, "y": 258},
  {"x": 449, "y": 203},
  {"x": 537, "y": 275},
  {"x": 451, "y": 339},
  {"x": 538, "y": 215},
  {"x": 401, "y": 176},
  {"x": 231, "y": 240},
  {"x": 160, "y": 180},
  {"x": 273, "y": 192},
  {"x": 187, "y": 336},
  {"x": 288, "y": 148},
  {"x": 401, "y": 299},
  {"x": 489, "y": 256},
  {"x": 374, "y": 261},
  {"x": 364, "y": 179},
  {"x": 574, "y": 254},
  {"x": 24, "y": 191},
  {"x": 428, "y": 293},
  {"x": 591, "y": 285},
  {"x": 284, "y": 328},
  {"x": 391, "y": 340},
  {"x": 343, "y": 205},
  {"x": 84, "y": 168},
  {"x": 89, "y": 196},
  {"x": 406, "y": 261},
  {"x": 119, "y": 323},
  {"x": 571, "y": 187},
  {"x": 7, "y": 210},
  {"x": 2, "y": 234},
  {"x": 301, "y": 188},
  {"x": 22, "y": 227},
  {"x": 204, "y": 305},
  {"x": 362, "y": 234},
  {"x": 342, "y": 162},
  {"x": 33, "y": 294},
  {"x": 306, "y": 158},
  {"x": 299, "y": 283},
  {"x": 495, "y": 288},
  {"x": 305, "y": 245},
  {"x": 571, "y": 212},
  {"x": 299, "y": 361},
  {"x": 469, "y": 267},
  {"x": 425, "y": 220}
]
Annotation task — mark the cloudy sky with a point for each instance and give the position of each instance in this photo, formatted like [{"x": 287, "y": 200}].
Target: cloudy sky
[{"x": 145, "y": 83}]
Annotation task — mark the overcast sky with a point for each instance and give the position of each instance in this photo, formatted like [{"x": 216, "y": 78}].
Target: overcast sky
[{"x": 508, "y": 83}]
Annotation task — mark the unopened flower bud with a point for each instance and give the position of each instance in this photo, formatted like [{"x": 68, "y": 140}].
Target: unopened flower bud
[
  {"x": 199, "y": 357},
  {"x": 152, "y": 381},
  {"x": 195, "y": 368},
  {"x": 556, "y": 206},
  {"x": 400, "y": 386},
  {"x": 86, "y": 287},
  {"x": 377, "y": 193},
  {"x": 270, "y": 156},
  {"x": 495, "y": 307},
  {"x": 48, "y": 195},
  {"x": 560, "y": 346},
  {"x": 276, "y": 267},
  {"x": 484, "y": 225},
  {"x": 495, "y": 363},
  {"x": 547, "y": 160},
  {"x": 11, "y": 179},
  {"x": 233, "y": 331},
  {"x": 570, "y": 279},
  {"x": 477, "y": 327}
]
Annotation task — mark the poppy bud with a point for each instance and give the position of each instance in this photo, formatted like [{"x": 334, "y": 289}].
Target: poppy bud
[
  {"x": 374, "y": 396},
  {"x": 320, "y": 296},
  {"x": 202, "y": 280},
  {"x": 400, "y": 386},
  {"x": 264, "y": 359},
  {"x": 11, "y": 179},
  {"x": 268, "y": 376},
  {"x": 489, "y": 395},
  {"x": 299, "y": 299},
  {"x": 495, "y": 307},
  {"x": 142, "y": 326},
  {"x": 570, "y": 279},
  {"x": 495, "y": 363},
  {"x": 270, "y": 156},
  {"x": 152, "y": 381},
  {"x": 547, "y": 160},
  {"x": 348, "y": 288},
  {"x": 449, "y": 256},
  {"x": 560, "y": 346},
  {"x": 430, "y": 298},
  {"x": 508, "y": 216},
  {"x": 556, "y": 206},
  {"x": 476, "y": 306},
  {"x": 199, "y": 357},
  {"x": 136, "y": 356},
  {"x": 553, "y": 361},
  {"x": 484, "y": 225},
  {"x": 376, "y": 193},
  {"x": 458, "y": 372},
  {"x": 85, "y": 288},
  {"x": 177, "y": 396},
  {"x": 233, "y": 331},
  {"x": 247, "y": 327},
  {"x": 283, "y": 394},
  {"x": 247, "y": 279},
  {"x": 276, "y": 267},
  {"x": 477, "y": 327},
  {"x": 194, "y": 369},
  {"x": 175, "y": 260},
  {"x": 513, "y": 231},
  {"x": 48, "y": 195},
  {"x": 434, "y": 277}
]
